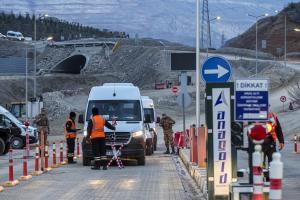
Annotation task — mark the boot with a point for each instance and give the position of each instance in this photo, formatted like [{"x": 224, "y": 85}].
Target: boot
[
  {"x": 173, "y": 150},
  {"x": 71, "y": 161},
  {"x": 168, "y": 151},
  {"x": 96, "y": 166}
]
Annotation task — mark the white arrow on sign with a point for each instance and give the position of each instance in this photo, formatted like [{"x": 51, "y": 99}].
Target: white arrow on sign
[{"x": 221, "y": 71}]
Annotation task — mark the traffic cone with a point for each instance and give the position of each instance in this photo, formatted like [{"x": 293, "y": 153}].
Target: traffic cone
[
  {"x": 295, "y": 144},
  {"x": 54, "y": 165},
  {"x": 66, "y": 152},
  {"x": 257, "y": 174},
  {"x": 25, "y": 175},
  {"x": 11, "y": 182},
  {"x": 1, "y": 189},
  {"x": 47, "y": 168},
  {"x": 61, "y": 154},
  {"x": 37, "y": 171}
]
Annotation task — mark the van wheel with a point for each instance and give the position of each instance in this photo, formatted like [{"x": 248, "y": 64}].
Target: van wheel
[
  {"x": 142, "y": 160},
  {"x": 2, "y": 146},
  {"x": 17, "y": 143},
  {"x": 86, "y": 161}
]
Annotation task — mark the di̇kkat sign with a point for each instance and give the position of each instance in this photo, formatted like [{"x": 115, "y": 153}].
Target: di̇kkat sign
[{"x": 221, "y": 140}]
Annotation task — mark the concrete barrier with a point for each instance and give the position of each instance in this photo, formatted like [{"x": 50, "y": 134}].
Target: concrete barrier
[{"x": 198, "y": 174}]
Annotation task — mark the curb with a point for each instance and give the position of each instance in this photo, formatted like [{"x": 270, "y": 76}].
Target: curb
[{"x": 198, "y": 174}]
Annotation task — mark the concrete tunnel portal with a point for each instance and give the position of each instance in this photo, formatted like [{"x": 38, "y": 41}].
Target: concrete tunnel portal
[{"x": 71, "y": 65}]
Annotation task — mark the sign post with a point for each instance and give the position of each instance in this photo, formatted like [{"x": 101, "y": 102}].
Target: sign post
[
  {"x": 283, "y": 100},
  {"x": 221, "y": 156}
]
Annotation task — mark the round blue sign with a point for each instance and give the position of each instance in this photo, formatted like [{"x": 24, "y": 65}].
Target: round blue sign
[{"x": 216, "y": 69}]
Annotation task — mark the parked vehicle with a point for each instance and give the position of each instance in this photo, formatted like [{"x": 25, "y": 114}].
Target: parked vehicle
[
  {"x": 122, "y": 102},
  {"x": 149, "y": 109},
  {"x": 2, "y": 36},
  {"x": 18, "y": 139},
  {"x": 12, "y": 35}
]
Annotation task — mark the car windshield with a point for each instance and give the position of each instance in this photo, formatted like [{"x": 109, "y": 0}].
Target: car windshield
[
  {"x": 121, "y": 110},
  {"x": 149, "y": 111}
]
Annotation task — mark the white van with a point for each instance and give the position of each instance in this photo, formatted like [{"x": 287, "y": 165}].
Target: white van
[
  {"x": 18, "y": 141},
  {"x": 149, "y": 109},
  {"x": 12, "y": 35},
  {"x": 120, "y": 101}
]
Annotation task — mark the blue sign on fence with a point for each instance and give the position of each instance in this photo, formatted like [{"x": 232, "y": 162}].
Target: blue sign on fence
[{"x": 251, "y": 100}]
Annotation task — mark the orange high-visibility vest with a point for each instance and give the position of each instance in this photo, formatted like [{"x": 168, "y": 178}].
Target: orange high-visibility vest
[
  {"x": 273, "y": 124},
  {"x": 70, "y": 134},
  {"x": 98, "y": 127}
]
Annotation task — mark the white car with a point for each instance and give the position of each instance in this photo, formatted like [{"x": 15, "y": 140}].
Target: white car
[{"x": 12, "y": 35}]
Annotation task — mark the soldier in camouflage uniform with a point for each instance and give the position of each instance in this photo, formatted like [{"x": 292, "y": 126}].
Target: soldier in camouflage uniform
[
  {"x": 166, "y": 123},
  {"x": 42, "y": 123}
]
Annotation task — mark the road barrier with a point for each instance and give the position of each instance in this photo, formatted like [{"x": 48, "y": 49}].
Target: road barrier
[
  {"x": 276, "y": 175},
  {"x": 193, "y": 145},
  {"x": 47, "y": 168},
  {"x": 257, "y": 174},
  {"x": 54, "y": 165},
  {"x": 25, "y": 175},
  {"x": 66, "y": 152},
  {"x": 37, "y": 171},
  {"x": 201, "y": 147},
  {"x": 295, "y": 144},
  {"x": 61, "y": 154},
  {"x": 78, "y": 149},
  {"x": 11, "y": 182}
]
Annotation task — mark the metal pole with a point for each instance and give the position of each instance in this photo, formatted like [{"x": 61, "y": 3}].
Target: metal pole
[
  {"x": 256, "y": 47},
  {"x": 197, "y": 65},
  {"x": 183, "y": 118},
  {"x": 26, "y": 84},
  {"x": 34, "y": 73},
  {"x": 285, "y": 34}
]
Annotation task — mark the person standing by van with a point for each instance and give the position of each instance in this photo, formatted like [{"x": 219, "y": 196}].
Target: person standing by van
[
  {"x": 42, "y": 123},
  {"x": 166, "y": 123},
  {"x": 96, "y": 135},
  {"x": 70, "y": 134}
]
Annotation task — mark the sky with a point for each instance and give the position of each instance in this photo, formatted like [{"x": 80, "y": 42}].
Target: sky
[{"x": 172, "y": 20}]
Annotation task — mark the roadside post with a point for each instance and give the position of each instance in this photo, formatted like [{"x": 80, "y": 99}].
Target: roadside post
[
  {"x": 184, "y": 100},
  {"x": 219, "y": 101}
]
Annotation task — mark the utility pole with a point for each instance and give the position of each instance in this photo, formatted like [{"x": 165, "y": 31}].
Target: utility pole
[
  {"x": 205, "y": 25},
  {"x": 197, "y": 66},
  {"x": 285, "y": 35},
  {"x": 222, "y": 40}
]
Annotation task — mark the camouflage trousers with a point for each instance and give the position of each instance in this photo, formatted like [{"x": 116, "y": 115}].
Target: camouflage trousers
[
  {"x": 45, "y": 130},
  {"x": 168, "y": 138}
]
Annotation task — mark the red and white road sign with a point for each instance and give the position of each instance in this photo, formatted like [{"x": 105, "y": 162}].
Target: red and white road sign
[
  {"x": 283, "y": 99},
  {"x": 175, "y": 89}
]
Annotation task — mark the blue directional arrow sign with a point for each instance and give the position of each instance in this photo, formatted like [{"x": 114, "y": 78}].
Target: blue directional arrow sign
[{"x": 216, "y": 70}]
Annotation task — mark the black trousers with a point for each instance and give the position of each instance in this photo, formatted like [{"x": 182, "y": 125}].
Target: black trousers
[
  {"x": 268, "y": 147},
  {"x": 71, "y": 147},
  {"x": 99, "y": 151}
]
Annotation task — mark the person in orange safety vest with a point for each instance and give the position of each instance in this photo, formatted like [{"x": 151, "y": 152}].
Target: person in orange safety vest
[
  {"x": 274, "y": 134},
  {"x": 70, "y": 135},
  {"x": 96, "y": 135}
]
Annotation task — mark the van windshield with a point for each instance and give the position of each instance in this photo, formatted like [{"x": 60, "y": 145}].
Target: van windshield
[
  {"x": 121, "y": 110},
  {"x": 149, "y": 111}
]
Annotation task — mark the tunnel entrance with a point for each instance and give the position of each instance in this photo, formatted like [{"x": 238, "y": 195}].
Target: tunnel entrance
[{"x": 71, "y": 65}]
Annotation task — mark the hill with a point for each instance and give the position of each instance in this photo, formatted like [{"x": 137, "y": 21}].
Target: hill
[
  {"x": 271, "y": 29},
  {"x": 50, "y": 26}
]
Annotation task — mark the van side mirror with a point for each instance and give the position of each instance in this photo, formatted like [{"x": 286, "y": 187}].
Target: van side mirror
[
  {"x": 158, "y": 120},
  {"x": 80, "y": 119},
  {"x": 147, "y": 119}
]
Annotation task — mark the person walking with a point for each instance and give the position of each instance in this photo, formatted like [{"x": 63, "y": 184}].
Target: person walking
[
  {"x": 70, "y": 135},
  {"x": 43, "y": 127},
  {"x": 96, "y": 136},
  {"x": 166, "y": 123},
  {"x": 274, "y": 134}
]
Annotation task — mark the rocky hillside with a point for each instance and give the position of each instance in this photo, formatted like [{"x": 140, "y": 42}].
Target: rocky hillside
[{"x": 271, "y": 29}]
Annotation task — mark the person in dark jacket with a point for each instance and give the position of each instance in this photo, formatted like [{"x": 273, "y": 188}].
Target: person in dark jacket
[
  {"x": 96, "y": 135},
  {"x": 70, "y": 135}
]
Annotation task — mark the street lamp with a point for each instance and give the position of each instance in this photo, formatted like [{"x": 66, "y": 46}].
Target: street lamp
[
  {"x": 34, "y": 79},
  {"x": 208, "y": 33},
  {"x": 197, "y": 65},
  {"x": 256, "y": 51}
]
